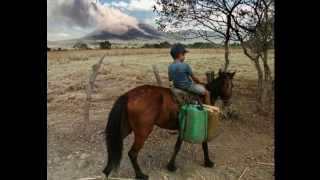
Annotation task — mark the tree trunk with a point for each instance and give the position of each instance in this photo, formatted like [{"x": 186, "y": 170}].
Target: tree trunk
[
  {"x": 264, "y": 92},
  {"x": 267, "y": 86},
  {"x": 260, "y": 93},
  {"x": 259, "y": 73},
  {"x": 226, "y": 44},
  {"x": 226, "y": 55},
  {"x": 267, "y": 71}
]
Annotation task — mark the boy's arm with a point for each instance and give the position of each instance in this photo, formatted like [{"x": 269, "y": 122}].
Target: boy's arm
[
  {"x": 169, "y": 74},
  {"x": 194, "y": 78}
]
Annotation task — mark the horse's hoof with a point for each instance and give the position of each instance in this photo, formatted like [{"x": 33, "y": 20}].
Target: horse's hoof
[
  {"x": 143, "y": 177},
  {"x": 171, "y": 167},
  {"x": 209, "y": 164}
]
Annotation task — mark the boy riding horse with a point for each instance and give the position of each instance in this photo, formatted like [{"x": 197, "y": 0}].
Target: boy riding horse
[
  {"x": 181, "y": 74},
  {"x": 141, "y": 108}
]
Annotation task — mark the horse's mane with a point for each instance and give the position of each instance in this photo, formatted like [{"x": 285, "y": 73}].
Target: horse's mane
[{"x": 214, "y": 86}]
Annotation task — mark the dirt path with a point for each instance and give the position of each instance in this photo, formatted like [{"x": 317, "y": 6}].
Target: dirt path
[{"x": 244, "y": 143}]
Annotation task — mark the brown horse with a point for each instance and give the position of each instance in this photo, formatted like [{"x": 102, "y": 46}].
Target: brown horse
[{"x": 141, "y": 108}]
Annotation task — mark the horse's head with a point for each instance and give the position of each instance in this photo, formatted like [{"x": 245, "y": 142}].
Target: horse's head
[{"x": 221, "y": 87}]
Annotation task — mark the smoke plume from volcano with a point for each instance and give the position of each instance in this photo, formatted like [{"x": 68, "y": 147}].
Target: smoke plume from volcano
[{"x": 88, "y": 14}]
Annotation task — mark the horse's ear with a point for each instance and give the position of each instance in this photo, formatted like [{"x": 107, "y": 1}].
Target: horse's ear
[{"x": 232, "y": 74}]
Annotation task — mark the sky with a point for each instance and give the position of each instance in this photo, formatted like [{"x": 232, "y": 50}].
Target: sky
[{"x": 68, "y": 19}]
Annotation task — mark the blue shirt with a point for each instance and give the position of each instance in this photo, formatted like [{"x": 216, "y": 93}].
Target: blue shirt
[{"x": 180, "y": 73}]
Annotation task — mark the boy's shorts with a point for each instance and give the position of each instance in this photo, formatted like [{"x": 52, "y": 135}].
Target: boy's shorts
[{"x": 197, "y": 89}]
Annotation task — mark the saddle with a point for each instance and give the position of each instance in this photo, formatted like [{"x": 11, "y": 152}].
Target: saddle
[{"x": 182, "y": 96}]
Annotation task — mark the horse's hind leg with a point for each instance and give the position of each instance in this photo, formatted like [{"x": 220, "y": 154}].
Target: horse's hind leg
[
  {"x": 171, "y": 165},
  {"x": 125, "y": 132},
  {"x": 207, "y": 161},
  {"x": 133, "y": 154}
]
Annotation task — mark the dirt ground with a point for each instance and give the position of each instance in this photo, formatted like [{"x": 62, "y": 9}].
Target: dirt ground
[{"x": 244, "y": 147}]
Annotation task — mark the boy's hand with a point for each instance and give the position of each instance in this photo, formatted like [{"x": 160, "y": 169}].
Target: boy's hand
[
  {"x": 196, "y": 80},
  {"x": 203, "y": 83}
]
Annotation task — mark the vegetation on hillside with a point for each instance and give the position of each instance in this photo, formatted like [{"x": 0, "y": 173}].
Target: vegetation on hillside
[
  {"x": 105, "y": 45},
  {"x": 80, "y": 45}
]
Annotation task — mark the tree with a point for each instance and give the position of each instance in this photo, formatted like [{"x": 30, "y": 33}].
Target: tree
[
  {"x": 249, "y": 22},
  {"x": 105, "y": 45},
  {"x": 206, "y": 19},
  {"x": 80, "y": 45},
  {"x": 253, "y": 26}
]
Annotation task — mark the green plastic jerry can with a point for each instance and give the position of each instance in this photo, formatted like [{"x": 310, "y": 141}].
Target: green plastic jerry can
[{"x": 193, "y": 123}]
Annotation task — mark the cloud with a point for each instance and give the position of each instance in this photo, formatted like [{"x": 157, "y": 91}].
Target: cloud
[
  {"x": 150, "y": 21},
  {"x": 87, "y": 15},
  {"x": 120, "y": 4},
  {"x": 58, "y": 36},
  {"x": 134, "y": 5},
  {"x": 80, "y": 17},
  {"x": 63, "y": 34},
  {"x": 141, "y": 5}
]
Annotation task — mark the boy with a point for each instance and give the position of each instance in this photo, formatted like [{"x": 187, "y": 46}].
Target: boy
[{"x": 180, "y": 73}]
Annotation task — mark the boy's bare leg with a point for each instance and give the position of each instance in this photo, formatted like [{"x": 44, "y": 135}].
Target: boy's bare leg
[{"x": 207, "y": 98}]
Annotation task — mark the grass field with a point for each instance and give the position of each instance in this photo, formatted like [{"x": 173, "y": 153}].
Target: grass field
[{"x": 245, "y": 142}]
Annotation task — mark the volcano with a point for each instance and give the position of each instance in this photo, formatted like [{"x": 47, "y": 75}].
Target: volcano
[{"x": 143, "y": 31}]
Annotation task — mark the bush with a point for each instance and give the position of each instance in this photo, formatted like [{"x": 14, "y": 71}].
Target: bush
[
  {"x": 48, "y": 49},
  {"x": 147, "y": 46},
  {"x": 235, "y": 45},
  {"x": 105, "y": 45},
  {"x": 200, "y": 45},
  {"x": 80, "y": 45},
  {"x": 164, "y": 44}
]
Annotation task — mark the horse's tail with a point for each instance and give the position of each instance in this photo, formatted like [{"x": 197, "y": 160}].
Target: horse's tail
[{"x": 114, "y": 133}]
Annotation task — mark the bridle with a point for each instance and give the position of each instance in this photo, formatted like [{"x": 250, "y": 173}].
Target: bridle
[{"x": 225, "y": 100}]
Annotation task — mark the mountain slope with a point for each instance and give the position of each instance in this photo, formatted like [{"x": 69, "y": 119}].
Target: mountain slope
[{"x": 143, "y": 32}]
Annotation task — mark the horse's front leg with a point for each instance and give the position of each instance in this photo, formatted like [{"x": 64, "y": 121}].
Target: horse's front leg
[
  {"x": 171, "y": 165},
  {"x": 207, "y": 161}
]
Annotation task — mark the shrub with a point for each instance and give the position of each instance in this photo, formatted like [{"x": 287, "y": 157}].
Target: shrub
[
  {"x": 105, "y": 45},
  {"x": 200, "y": 45},
  {"x": 164, "y": 44},
  {"x": 80, "y": 45}
]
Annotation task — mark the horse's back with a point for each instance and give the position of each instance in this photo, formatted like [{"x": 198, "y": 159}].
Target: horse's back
[
  {"x": 149, "y": 87},
  {"x": 149, "y": 104},
  {"x": 144, "y": 91}
]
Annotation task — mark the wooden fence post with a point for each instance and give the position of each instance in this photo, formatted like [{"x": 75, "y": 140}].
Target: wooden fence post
[
  {"x": 156, "y": 74},
  {"x": 90, "y": 86},
  {"x": 210, "y": 76}
]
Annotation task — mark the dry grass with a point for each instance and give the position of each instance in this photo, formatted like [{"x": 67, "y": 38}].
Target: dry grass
[{"x": 242, "y": 143}]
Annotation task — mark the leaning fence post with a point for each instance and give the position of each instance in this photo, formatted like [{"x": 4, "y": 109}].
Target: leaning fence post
[
  {"x": 89, "y": 87},
  {"x": 210, "y": 76},
  {"x": 156, "y": 74}
]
